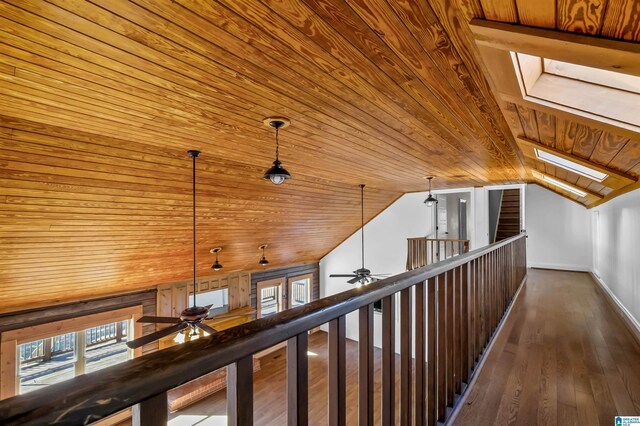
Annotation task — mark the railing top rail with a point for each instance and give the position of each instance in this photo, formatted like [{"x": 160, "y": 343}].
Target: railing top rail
[{"x": 90, "y": 397}]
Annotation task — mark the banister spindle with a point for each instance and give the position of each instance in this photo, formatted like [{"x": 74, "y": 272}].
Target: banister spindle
[
  {"x": 420, "y": 406},
  {"x": 240, "y": 392},
  {"x": 388, "y": 360},
  {"x": 298, "y": 380},
  {"x": 405, "y": 357},
  {"x": 337, "y": 372},
  {"x": 365, "y": 368}
]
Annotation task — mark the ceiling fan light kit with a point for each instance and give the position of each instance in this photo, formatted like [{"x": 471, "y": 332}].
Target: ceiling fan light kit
[{"x": 276, "y": 173}]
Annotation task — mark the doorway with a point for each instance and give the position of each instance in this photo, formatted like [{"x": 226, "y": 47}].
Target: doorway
[{"x": 269, "y": 297}]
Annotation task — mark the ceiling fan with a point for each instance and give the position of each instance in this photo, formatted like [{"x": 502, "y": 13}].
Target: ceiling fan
[
  {"x": 362, "y": 275},
  {"x": 193, "y": 316}
]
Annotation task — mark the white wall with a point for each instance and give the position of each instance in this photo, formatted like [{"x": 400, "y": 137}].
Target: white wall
[
  {"x": 559, "y": 231},
  {"x": 385, "y": 250},
  {"x": 616, "y": 249}
]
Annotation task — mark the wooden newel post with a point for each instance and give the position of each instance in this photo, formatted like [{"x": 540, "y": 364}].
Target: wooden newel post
[{"x": 151, "y": 412}]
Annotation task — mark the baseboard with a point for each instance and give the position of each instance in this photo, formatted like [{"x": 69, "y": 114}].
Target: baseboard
[
  {"x": 557, "y": 267},
  {"x": 624, "y": 314},
  {"x": 460, "y": 402}
]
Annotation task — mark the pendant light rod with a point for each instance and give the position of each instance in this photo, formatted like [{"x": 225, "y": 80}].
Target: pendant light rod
[
  {"x": 194, "y": 154},
  {"x": 362, "y": 220}
]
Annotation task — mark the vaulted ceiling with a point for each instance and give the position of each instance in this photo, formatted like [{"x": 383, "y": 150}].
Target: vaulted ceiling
[{"x": 100, "y": 100}]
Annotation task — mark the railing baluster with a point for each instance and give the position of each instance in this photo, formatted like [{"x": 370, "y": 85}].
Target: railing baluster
[
  {"x": 442, "y": 347},
  {"x": 419, "y": 383},
  {"x": 432, "y": 314},
  {"x": 365, "y": 369},
  {"x": 298, "y": 380},
  {"x": 457, "y": 340},
  {"x": 388, "y": 360},
  {"x": 151, "y": 412},
  {"x": 240, "y": 392},
  {"x": 450, "y": 290},
  {"x": 465, "y": 315},
  {"x": 405, "y": 357},
  {"x": 337, "y": 372}
]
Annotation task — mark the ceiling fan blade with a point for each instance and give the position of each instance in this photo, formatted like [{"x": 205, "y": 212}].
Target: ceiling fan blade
[
  {"x": 160, "y": 320},
  {"x": 342, "y": 275},
  {"x": 354, "y": 280},
  {"x": 136, "y": 343},
  {"x": 205, "y": 327}
]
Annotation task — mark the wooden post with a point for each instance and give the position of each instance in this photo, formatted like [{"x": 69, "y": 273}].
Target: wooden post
[
  {"x": 81, "y": 345},
  {"x": 337, "y": 372},
  {"x": 388, "y": 360},
  {"x": 151, "y": 412},
  {"x": 297, "y": 380},
  {"x": 46, "y": 349},
  {"x": 365, "y": 368},
  {"x": 240, "y": 392}
]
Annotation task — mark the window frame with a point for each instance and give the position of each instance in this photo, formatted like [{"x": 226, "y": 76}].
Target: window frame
[{"x": 290, "y": 282}]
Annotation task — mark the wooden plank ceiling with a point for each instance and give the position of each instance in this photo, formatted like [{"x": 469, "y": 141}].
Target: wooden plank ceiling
[
  {"x": 585, "y": 139},
  {"x": 100, "y": 100}
]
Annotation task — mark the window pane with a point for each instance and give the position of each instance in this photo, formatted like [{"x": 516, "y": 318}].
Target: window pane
[
  {"x": 217, "y": 298},
  {"x": 300, "y": 292},
  {"x": 46, "y": 361},
  {"x": 269, "y": 301},
  {"x": 106, "y": 345}
]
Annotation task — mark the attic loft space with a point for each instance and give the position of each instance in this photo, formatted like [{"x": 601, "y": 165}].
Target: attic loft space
[{"x": 586, "y": 91}]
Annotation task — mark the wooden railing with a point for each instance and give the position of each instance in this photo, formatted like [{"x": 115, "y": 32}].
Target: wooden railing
[
  {"x": 426, "y": 251},
  {"x": 456, "y": 305}
]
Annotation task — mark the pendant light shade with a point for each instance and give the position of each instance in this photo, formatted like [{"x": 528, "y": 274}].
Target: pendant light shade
[
  {"x": 431, "y": 200},
  {"x": 276, "y": 173},
  {"x": 263, "y": 260},
  {"x": 216, "y": 265}
]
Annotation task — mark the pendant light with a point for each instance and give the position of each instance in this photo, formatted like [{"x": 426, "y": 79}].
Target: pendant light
[
  {"x": 263, "y": 261},
  {"x": 431, "y": 200},
  {"x": 216, "y": 265},
  {"x": 194, "y": 154},
  {"x": 277, "y": 174}
]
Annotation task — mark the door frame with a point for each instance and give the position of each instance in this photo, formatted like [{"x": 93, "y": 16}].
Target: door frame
[{"x": 275, "y": 282}]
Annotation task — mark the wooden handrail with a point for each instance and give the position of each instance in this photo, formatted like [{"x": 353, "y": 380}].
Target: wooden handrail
[{"x": 97, "y": 395}]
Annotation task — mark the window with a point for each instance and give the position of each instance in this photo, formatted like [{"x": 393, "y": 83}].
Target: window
[
  {"x": 61, "y": 357},
  {"x": 269, "y": 295},
  {"x": 570, "y": 165},
  {"x": 598, "y": 94},
  {"x": 300, "y": 290},
  {"x": 218, "y": 299}
]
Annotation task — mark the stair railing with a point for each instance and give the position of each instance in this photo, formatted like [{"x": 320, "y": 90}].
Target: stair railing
[{"x": 426, "y": 251}]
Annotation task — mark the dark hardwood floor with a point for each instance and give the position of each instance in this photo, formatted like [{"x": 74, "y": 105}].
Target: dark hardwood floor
[{"x": 562, "y": 357}]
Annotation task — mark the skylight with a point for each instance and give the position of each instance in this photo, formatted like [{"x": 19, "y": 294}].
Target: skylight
[
  {"x": 564, "y": 186},
  {"x": 570, "y": 166},
  {"x": 616, "y": 80}
]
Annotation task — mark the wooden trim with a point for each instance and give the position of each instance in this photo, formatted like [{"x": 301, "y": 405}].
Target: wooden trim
[
  {"x": 28, "y": 334},
  {"x": 629, "y": 322},
  {"x": 612, "y": 55},
  {"x": 8, "y": 369},
  {"x": 614, "y": 194}
]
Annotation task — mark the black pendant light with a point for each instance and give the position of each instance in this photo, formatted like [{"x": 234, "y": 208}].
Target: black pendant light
[
  {"x": 431, "y": 200},
  {"x": 263, "y": 260},
  {"x": 216, "y": 265},
  {"x": 194, "y": 154},
  {"x": 277, "y": 174}
]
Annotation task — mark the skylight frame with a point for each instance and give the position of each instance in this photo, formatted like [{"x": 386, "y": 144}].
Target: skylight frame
[
  {"x": 564, "y": 186},
  {"x": 571, "y": 166}
]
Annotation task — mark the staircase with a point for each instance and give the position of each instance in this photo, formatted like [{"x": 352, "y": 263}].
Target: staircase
[{"x": 509, "y": 219}]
